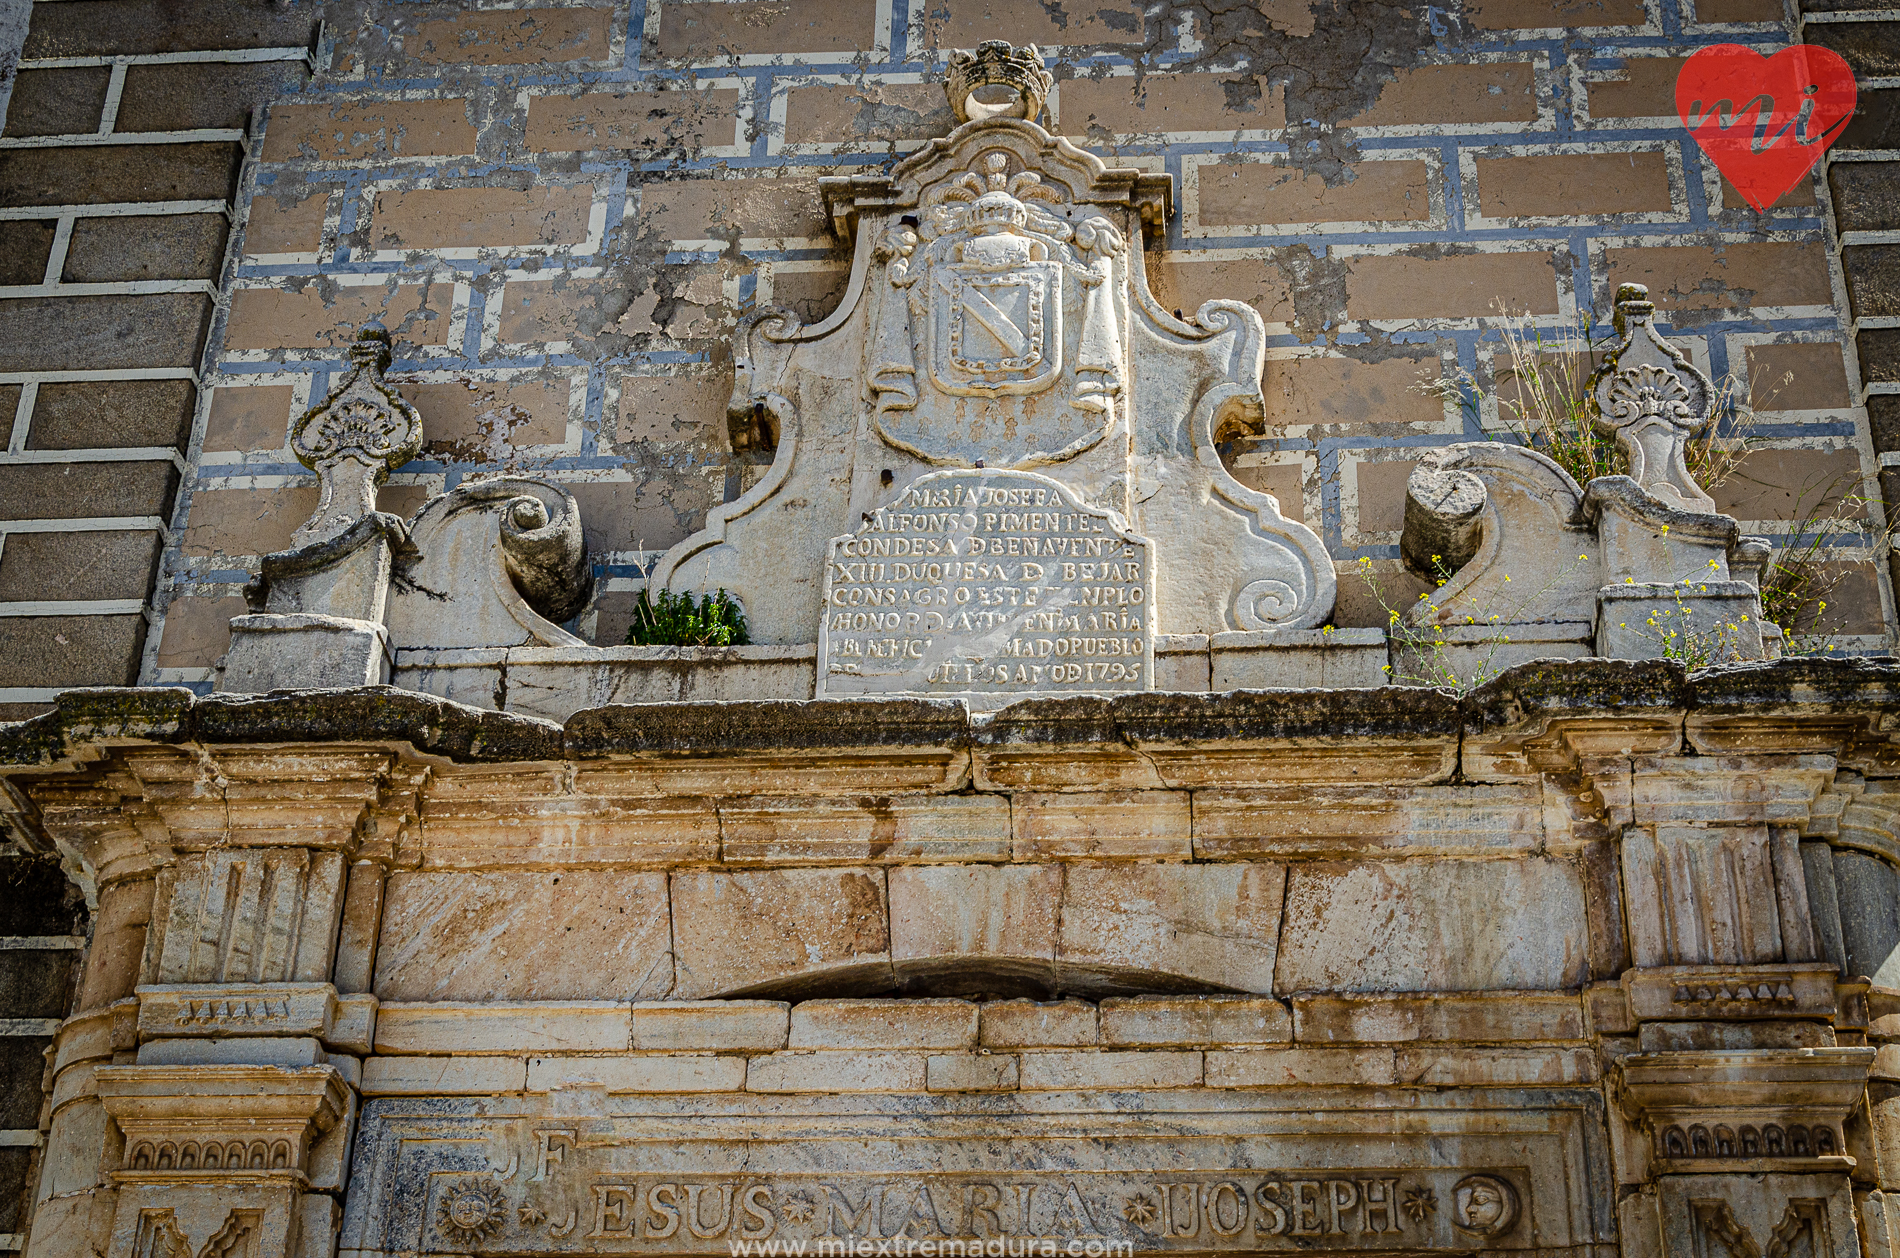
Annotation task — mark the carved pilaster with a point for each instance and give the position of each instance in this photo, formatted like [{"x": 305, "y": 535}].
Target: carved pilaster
[
  {"x": 217, "y": 1159},
  {"x": 1746, "y": 1151}
]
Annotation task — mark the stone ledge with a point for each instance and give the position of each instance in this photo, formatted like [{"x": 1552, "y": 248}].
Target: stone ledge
[
  {"x": 1482, "y": 1017},
  {"x": 1519, "y": 705},
  {"x": 577, "y": 1026}
]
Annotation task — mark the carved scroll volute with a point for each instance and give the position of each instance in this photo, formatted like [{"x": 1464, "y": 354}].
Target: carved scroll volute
[
  {"x": 1653, "y": 401},
  {"x": 360, "y": 433}
]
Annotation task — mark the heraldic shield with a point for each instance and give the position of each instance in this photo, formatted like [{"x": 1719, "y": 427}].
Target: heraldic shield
[
  {"x": 997, "y": 330},
  {"x": 1014, "y": 306}
]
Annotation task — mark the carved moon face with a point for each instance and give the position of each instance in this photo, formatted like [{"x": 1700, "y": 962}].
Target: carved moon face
[{"x": 1484, "y": 1204}]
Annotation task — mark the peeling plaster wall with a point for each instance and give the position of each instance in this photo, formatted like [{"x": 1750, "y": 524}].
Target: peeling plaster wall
[{"x": 562, "y": 211}]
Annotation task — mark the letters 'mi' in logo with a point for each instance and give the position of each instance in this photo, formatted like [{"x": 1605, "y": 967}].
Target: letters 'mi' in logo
[{"x": 1794, "y": 105}]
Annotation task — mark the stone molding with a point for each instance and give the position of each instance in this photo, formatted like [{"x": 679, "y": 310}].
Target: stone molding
[
  {"x": 184, "y": 1123},
  {"x": 1754, "y": 1110}
]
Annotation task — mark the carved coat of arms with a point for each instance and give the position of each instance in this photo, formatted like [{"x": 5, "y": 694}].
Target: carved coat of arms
[
  {"x": 999, "y": 330},
  {"x": 1005, "y": 295}
]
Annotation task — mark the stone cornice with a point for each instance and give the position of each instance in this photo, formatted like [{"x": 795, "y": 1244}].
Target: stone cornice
[{"x": 1835, "y": 701}]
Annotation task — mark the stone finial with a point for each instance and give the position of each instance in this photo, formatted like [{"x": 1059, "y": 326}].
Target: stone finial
[
  {"x": 996, "y": 63},
  {"x": 361, "y": 433},
  {"x": 1654, "y": 401}
]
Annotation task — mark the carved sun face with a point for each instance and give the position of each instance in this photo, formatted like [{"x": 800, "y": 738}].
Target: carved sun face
[{"x": 471, "y": 1212}]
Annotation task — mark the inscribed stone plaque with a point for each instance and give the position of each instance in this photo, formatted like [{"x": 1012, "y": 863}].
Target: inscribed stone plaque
[
  {"x": 988, "y": 586},
  {"x": 932, "y": 1176}
]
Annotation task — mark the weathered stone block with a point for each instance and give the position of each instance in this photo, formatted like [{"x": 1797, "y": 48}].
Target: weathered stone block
[
  {"x": 837, "y": 1024},
  {"x": 1157, "y": 926},
  {"x": 1194, "y": 1020},
  {"x": 1102, "y": 825},
  {"x": 696, "y": 30},
  {"x": 1504, "y": 15},
  {"x": 1421, "y": 96},
  {"x": 1495, "y": 1067},
  {"x": 89, "y": 414},
  {"x": 466, "y": 218},
  {"x": 1567, "y": 184},
  {"x": 380, "y": 129},
  {"x": 131, "y": 26},
  {"x": 965, "y": 23},
  {"x": 1469, "y": 285},
  {"x": 988, "y": 922},
  {"x": 70, "y": 650},
  {"x": 1734, "y": 277},
  {"x": 585, "y": 1026},
  {"x": 25, "y": 246},
  {"x": 524, "y": 935},
  {"x": 102, "y": 333},
  {"x": 685, "y": 408},
  {"x": 1038, "y": 1024},
  {"x": 1161, "y": 103},
  {"x": 710, "y": 1025},
  {"x": 1301, "y": 1067},
  {"x": 1425, "y": 926},
  {"x": 119, "y": 173},
  {"x": 637, "y": 1074},
  {"x": 513, "y": 37},
  {"x": 850, "y": 113},
  {"x": 1244, "y": 193},
  {"x": 682, "y": 121},
  {"x": 971, "y": 1072},
  {"x": 836, "y": 1072},
  {"x": 739, "y": 932},
  {"x": 1309, "y": 821},
  {"x": 444, "y": 1076},
  {"x": 185, "y": 96},
  {"x": 91, "y": 565},
  {"x": 764, "y": 206},
  {"x": 878, "y": 828},
  {"x": 284, "y": 222},
  {"x": 1490, "y": 1017},
  {"x": 272, "y": 318},
  {"x": 197, "y": 630},
  {"x": 1058, "y": 1071},
  {"x": 63, "y": 101}
]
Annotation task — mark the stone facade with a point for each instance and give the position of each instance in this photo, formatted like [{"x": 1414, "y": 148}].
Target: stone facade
[
  {"x": 1596, "y": 959},
  {"x": 1056, "y": 870}
]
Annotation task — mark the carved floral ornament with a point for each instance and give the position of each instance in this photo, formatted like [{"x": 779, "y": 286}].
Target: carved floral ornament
[
  {"x": 1653, "y": 401},
  {"x": 359, "y": 434}
]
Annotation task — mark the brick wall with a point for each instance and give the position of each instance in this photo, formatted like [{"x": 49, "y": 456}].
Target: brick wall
[
  {"x": 43, "y": 922},
  {"x": 126, "y": 130},
  {"x": 1864, "y": 180},
  {"x": 561, "y": 211}
]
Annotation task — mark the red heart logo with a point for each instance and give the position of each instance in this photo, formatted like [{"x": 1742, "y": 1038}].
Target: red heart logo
[{"x": 1765, "y": 121}]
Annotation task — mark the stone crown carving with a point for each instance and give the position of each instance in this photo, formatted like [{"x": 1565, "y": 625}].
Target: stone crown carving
[
  {"x": 1653, "y": 401},
  {"x": 995, "y": 63},
  {"x": 359, "y": 434}
]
